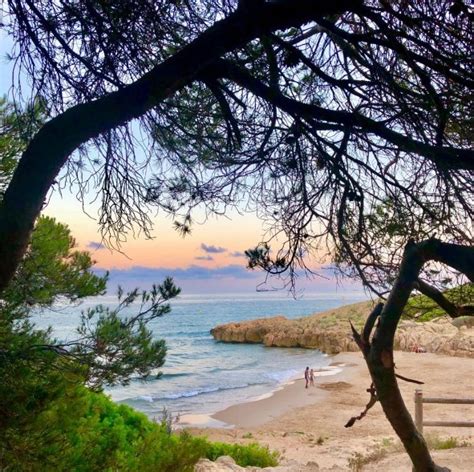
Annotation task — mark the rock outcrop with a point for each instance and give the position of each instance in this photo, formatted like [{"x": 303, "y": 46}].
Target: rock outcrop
[
  {"x": 330, "y": 332},
  {"x": 440, "y": 336},
  {"x": 227, "y": 464}
]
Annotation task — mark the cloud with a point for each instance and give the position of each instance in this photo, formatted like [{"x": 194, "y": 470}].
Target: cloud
[
  {"x": 204, "y": 258},
  {"x": 96, "y": 246},
  {"x": 197, "y": 278},
  {"x": 213, "y": 249},
  {"x": 237, "y": 254},
  {"x": 192, "y": 272},
  {"x": 191, "y": 279}
]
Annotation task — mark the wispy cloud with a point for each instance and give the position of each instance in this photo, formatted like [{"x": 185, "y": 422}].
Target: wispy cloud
[
  {"x": 204, "y": 258},
  {"x": 95, "y": 245},
  {"x": 237, "y": 254},
  {"x": 213, "y": 249}
]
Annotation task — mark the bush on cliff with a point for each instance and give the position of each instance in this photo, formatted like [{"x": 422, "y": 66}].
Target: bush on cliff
[{"x": 422, "y": 308}]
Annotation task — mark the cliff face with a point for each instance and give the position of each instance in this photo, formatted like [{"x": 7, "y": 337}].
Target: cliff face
[
  {"x": 330, "y": 332},
  {"x": 440, "y": 336},
  {"x": 281, "y": 332}
]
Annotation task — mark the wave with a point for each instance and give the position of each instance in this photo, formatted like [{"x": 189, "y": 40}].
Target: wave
[
  {"x": 328, "y": 371},
  {"x": 152, "y": 378},
  {"x": 233, "y": 368},
  {"x": 170, "y": 376},
  {"x": 146, "y": 398},
  {"x": 284, "y": 375},
  {"x": 174, "y": 334},
  {"x": 191, "y": 393}
]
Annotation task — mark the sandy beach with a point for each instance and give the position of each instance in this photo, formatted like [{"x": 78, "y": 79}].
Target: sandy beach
[{"x": 307, "y": 425}]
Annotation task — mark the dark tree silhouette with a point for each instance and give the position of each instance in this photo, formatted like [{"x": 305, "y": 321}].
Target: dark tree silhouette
[{"x": 345, "y": 124}]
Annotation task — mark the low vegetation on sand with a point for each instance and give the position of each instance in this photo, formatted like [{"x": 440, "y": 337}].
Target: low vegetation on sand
[{"x": 358, "y": 460}]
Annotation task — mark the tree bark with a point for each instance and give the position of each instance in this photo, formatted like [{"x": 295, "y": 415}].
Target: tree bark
[
  {"x": 378, "y": 352},
  {"x": 54, "y": 143}
]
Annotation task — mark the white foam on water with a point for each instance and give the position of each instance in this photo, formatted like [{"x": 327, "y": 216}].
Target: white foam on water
[{"x": 328, "y": 371}]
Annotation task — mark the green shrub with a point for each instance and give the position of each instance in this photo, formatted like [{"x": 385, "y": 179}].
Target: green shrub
[
  {"x": 422, "y": 308},
  {"x": 437, "y": 443},
  {"x": 245, "y": 455},
  {"x": 77, "y": 429}
]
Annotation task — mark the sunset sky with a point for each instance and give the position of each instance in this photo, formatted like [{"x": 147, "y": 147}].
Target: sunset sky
[{"x": 210, "y": 259}]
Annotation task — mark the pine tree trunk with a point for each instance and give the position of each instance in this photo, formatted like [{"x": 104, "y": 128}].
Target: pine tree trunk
[
  {"x": 378, "y": 351},
  {"x": 396, "y": 412}
]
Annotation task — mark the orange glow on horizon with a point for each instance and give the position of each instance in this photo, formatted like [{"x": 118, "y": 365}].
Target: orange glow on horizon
[
  {"x": 167, "y": 248},
  {"x": 224, "y": 237}
]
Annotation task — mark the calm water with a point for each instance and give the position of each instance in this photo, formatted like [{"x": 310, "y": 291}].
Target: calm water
[{"x": 201, "y": 375}]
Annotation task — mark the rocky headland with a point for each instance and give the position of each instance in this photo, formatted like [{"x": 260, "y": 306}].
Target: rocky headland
[{"x": 330, "y": 332}]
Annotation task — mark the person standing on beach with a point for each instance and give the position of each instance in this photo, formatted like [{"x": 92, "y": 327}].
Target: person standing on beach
[
  {"x": 311, "y": 377},
  {"x": 306, "y": 376}
]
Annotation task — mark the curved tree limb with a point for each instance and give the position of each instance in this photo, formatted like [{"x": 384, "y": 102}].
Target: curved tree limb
[
  {"x": 372, "y": 401},
  {"x": 450, "y": 308},
  {"x": 54, "y": 143},
  {"x": 444, "y": 157}
]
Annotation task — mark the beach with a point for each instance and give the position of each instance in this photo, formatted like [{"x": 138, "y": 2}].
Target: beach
[
  {"x": 307, "y": 425},
  {"x": 202, "y": 376}
]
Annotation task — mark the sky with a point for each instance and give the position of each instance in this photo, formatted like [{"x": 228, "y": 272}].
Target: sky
[{"x": 209, "y": 260}]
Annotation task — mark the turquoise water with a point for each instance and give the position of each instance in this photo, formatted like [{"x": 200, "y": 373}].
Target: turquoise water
[{"x": 202, "y": 376}]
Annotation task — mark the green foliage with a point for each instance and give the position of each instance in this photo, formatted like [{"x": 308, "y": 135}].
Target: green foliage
[
  {"x": 422, "y": 308},
  {"x": 112, "y": 347},
  {"x": 50, "y": 421},
  {"x": 244, "y": 455},
  {"x": 38, "y": 392},
  {"x": 437, "y": 443},
  {"x": 16, "y": 130},
  {"x": 119, "y": 346},
  {"x": 51, "y": 268}
]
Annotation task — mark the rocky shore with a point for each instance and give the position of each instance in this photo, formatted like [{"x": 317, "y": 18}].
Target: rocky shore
[{"x": 330, "y": 332}]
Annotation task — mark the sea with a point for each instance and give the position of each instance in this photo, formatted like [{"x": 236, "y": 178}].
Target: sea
[{"x": 202, "y": 376}]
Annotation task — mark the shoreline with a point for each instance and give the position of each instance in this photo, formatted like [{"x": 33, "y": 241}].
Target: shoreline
[
  {"x": 307, "y": 425},
  {"x": 285, "y": 396}
]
